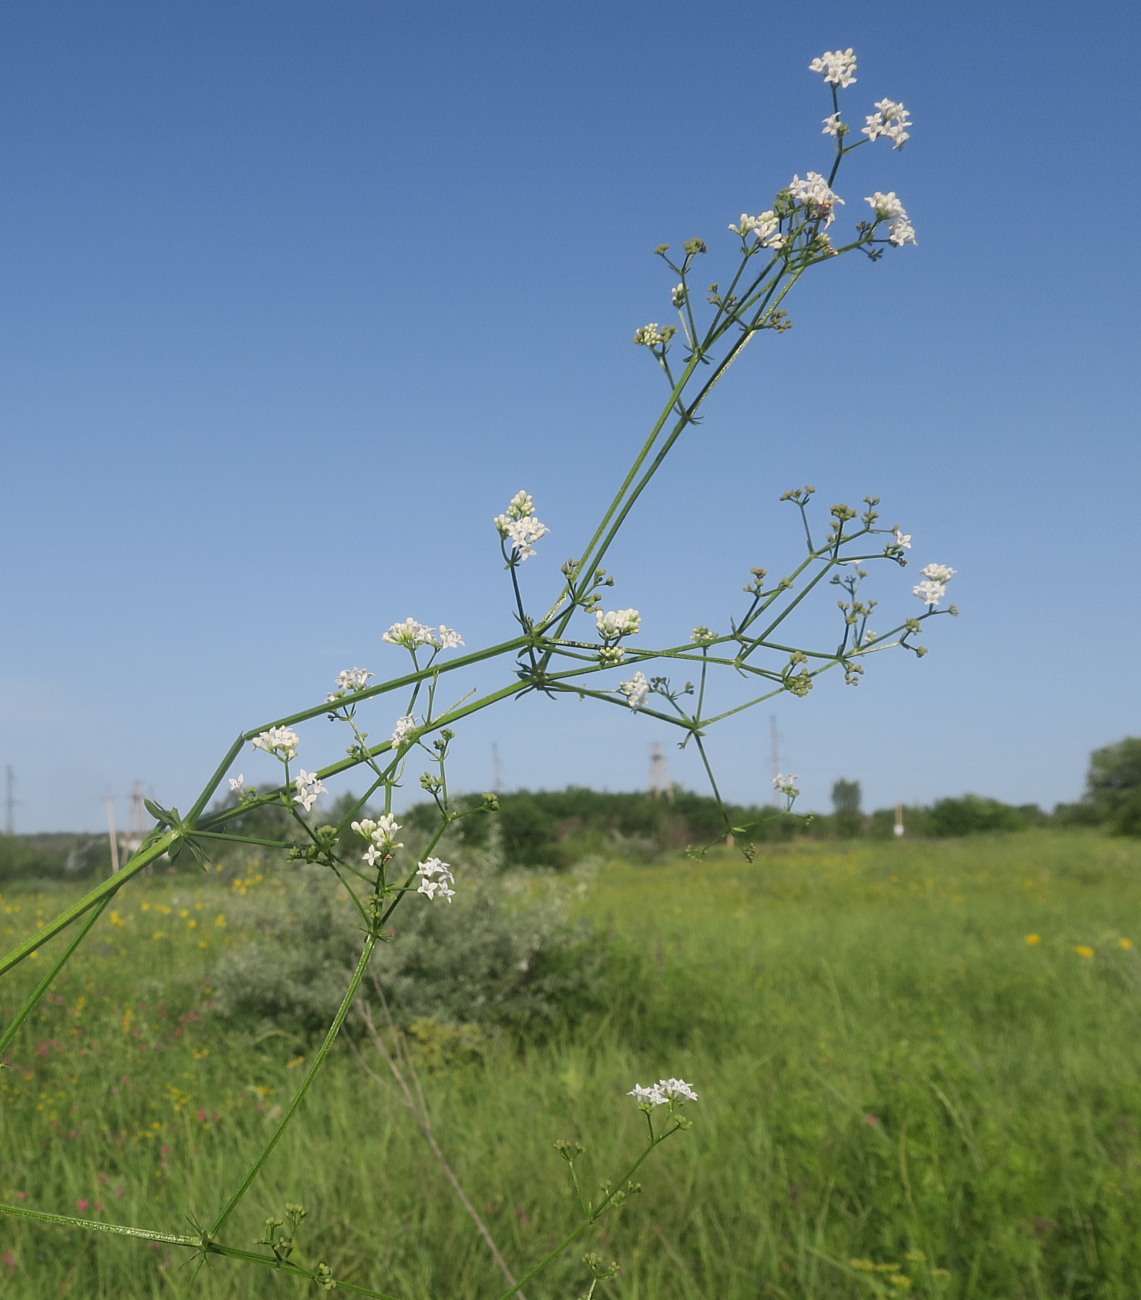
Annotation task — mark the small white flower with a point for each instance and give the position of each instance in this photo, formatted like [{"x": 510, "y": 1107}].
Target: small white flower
[
  {"x": 838, "y": 67},
  {"x": 662, "y": 1092},
  {"x": 449, "y": 638},
  {"x": 635, "y": 690},
  {"x": 903, "y": 540},
  {"x": 435, "y": 879},
  {"x": 886, "y": 206},
  {"x": 238, "y": 782},
  {"x": 436, "y": 889},
  {"x": 520, "y": 525},
  {"x": 939, "y": 572},
  {"x": 654, "y": 335},
  {"x": 679, "y": 295},
  {"x": 409, "y": 634},
  {"x": 348, "y": 683},
  {"x": 833, "y": 126},
  {"x": 308, "y": 787},
  {"x": 890, "y": 120},
  {"x": 816, "y": 197},
  {"x": 280, "y": 741},
  {"x": 524, "y": 533},
  {"x": 521, "y": 505},
  {"x": 786, "y": 785},
  {"x": 651, "y": 1096},
  {"x": 703, "y": 635},
  {"x": 766, "y": 227},
  {"x": 677, "y": 1090},
  {"x": 901, "y": 232},
  {"x": 930, "y": 593},
  {"x": 403, "y": 727},
  {"x": 614, "y": 623},
  {"x": 435, "y": 867},
  {"x": 381, "y": 836}
]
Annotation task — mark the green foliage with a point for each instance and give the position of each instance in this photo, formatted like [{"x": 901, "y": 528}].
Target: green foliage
[
  {"x": 973, "y": 814},
  {"x": 1113, "y": 786},
  {"x": 846, "y": 808},
  {"x": 53, "y": 856},
  {"x": 890, "y": 1074},
  {"x": 561, "y": 828},
  {"x": 479, "y": 960}
]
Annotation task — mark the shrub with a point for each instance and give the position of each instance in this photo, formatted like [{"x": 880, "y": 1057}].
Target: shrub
[{"x": 483, "y": 959}]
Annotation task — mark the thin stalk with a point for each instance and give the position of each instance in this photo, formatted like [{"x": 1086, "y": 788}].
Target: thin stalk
[
  {"x": 146, "y": 855},
  {"x": 299, "y": 1096},
  {"x": 50, "y": 975},
  {"x": 588, "y": 1220}
]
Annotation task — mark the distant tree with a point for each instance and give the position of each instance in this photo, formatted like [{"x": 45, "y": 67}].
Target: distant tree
[
  {"x": 846, "y": 808},
  {"x": 1113, "y": 786},
  {"x": 973, "y": 814}
]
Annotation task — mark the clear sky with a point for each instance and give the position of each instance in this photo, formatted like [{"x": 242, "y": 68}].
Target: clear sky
[{"x": 297, "y": 295}]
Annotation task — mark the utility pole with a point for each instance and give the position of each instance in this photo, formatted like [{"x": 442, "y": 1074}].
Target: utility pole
[
  {"x": 774, "y": 748},
  {"x": 496, "y": 770},
  {"x": 112, "y": 835},
  {"x": 137, "y": 820},
  {"x": 660, "y": 782}
]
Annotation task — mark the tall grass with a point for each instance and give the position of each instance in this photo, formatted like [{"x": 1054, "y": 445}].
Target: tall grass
[{"x": 918, "y": 1066}]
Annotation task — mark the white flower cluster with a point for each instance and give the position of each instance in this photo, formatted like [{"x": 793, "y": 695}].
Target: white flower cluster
[
  {"x": 887, "y": 207},
  {"x": 786, "y": 785},
  {"x": 653, "y": 335},
  {"x": 381, "y": 836},
  {"x": 703, "y": 635},
  {"x": 280, "y": 741},
  {"x": 934, "y": 586},
  {"x": 635, "y": 690},
  {"x": 435, "y": 879},
  {"x": 903, "y": 540},
  {"x": 403, "y": 726},
  {"x": 678, "y": 295},
  {"x": 815, "y": 196},
  {"x": 613, "y": 623},
  {"x": 837, "y": 67},
  {"x": 348, "y": 683},
  {"x": 890, "y": 120},
  {"x": 766, "y": 227},
  {"x": 308, "y": 788},
  {"x": 662, "y": 1092},
  {"x": 833, "y": 126},
  {"x": 411, "y": 634},
  {"x": 521, "y": 526}
]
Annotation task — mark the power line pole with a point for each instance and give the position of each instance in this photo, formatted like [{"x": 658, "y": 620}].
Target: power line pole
[
  {"x": 660, "y": 782},
  {"x": 774, "y": 747}
]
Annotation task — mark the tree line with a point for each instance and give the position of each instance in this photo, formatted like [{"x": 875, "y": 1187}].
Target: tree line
[{"x": 560, "y": 828}]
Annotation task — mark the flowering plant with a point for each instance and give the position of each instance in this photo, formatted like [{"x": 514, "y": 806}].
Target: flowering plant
[{"x": 575, "y": 647}]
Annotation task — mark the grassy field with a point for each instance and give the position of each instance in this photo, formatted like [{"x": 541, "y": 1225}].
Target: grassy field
[{"x": 919, "y": 1068}]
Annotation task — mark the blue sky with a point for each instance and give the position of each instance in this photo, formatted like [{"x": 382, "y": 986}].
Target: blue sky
[{"x": 297, "y": 295}]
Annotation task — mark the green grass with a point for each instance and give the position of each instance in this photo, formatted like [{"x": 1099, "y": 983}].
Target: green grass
[{"x": 900, "y": 1093}]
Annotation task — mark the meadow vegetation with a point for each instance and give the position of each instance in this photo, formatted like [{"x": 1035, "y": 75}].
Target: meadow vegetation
[{"x": 917, "y": 1062}]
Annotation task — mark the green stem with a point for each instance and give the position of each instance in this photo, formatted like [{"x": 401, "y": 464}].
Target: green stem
[
  {"x": 591, "y": 1218},
  {"x": 322, "y": 1053},
  {"x": 50, "y": 975},
  {"x": 95, "y": 1225},
  {"x": 146, "y": 855}
]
